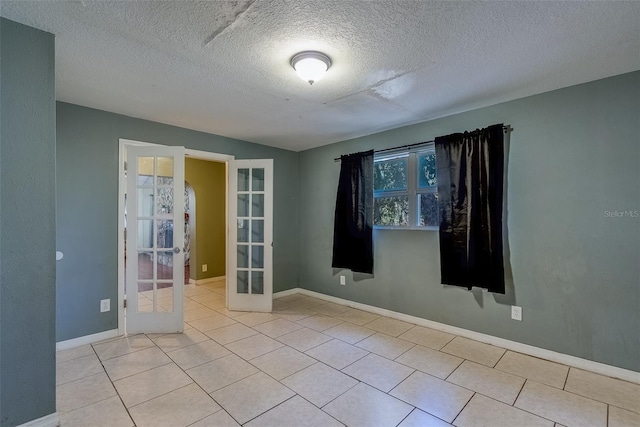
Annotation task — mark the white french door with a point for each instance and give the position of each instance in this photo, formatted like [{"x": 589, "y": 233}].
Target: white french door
[
  {"x": 250, "y": 249},
  {"x": 154, "y": 282}
]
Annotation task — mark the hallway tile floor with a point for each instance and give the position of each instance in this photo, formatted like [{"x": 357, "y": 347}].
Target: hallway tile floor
[{"x": 315, "y": 363}]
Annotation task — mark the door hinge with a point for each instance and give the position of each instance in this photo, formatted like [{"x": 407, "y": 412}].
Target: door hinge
[
  {"x": 125, "y": 303},
  {"x": 125, "y": 166}
]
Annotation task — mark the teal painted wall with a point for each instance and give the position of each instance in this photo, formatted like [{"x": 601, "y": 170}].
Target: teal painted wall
[
  {"x": 87, "y": 210},
  {"x": 27, "y": 224},
  {"x": 574, "y": 269}
]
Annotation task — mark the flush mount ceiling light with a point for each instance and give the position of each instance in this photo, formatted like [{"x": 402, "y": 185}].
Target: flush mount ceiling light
[{"x": 310, "y": 65}]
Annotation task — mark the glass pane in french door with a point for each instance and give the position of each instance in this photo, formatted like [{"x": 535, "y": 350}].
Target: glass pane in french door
[
  {"x": 145, "y": 297},
  {"x": 154, "y": 242},
  {"x": 250, "y": 236}
]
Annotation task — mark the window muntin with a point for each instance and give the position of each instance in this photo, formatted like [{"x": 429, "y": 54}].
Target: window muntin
[{"x": 405, "y": 189}]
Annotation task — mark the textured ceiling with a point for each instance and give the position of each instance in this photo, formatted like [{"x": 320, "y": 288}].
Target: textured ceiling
[{"x": 223, "y": 67}]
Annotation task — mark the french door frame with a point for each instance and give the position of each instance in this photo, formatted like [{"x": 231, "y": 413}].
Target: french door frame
[
  {"x": 259, "y": 298},
  {"x": 122, "y": 186}
]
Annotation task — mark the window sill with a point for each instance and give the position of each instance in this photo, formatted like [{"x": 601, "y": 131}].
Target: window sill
[{"x": 399, "y": 227}]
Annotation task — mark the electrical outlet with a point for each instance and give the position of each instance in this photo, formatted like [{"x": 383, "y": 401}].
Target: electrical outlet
[
  {"x": 343, "y": 280},
  {"x": 105, "y": 305},
  {"x": 204, "y": 267},
  {"x": 516, "y": 312}
]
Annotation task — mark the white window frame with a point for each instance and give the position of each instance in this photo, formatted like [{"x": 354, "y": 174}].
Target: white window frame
[{"x": 413, "y": 191}]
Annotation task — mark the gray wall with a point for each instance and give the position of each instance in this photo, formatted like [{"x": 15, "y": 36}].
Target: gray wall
[
  {"x": 27, "y": 224},
  {"x": 87, "y": 216},
  {"x": 574, "y": 155}
]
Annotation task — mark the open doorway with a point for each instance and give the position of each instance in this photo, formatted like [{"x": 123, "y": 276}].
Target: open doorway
[
  {"x": 205, "y": 221},
  {"x": 189, "y": 231}
]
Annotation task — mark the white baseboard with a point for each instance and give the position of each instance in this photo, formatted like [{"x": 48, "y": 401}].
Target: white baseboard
[
  {"x": 87, "y": 339},
  {"x": 286, "y": 293},
  {"x": 565, "y": 359},
  {"x": 211, "y": 280},
  {"x": 50, "y": 420}
]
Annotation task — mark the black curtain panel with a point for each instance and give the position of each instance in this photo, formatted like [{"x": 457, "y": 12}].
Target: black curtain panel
[
  {"x": 470, "y": 185},
  {"x": 353, "y": 225}
]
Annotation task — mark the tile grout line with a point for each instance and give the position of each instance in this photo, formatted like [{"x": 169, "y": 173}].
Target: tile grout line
[
  {"x": 583, "y": 396},
  {"x": 407, "y": 416},
  {"x": 322, "y": 363},
  {"x": 522, "y": 409},
  {"x": 200, "y": 387},
  {"x": 95, "y": 403},
  {"x": 338, "y": 396},
  {"x": 533, "y": 413},
  {"x": 195, "y": 382},
  {"x": 566, "y": 379},
  {"x": 455, "y": 369},
  {"x": 500, "y": 358},
  {"x": 92, "y": 403},
  {"x": 274, "y": 407},
  {"x": 179, "y": 388},
  {"x": 320, "y": 409},
  {"x": 350, "y": 343},
  {"x": 141, "y": 372},
  {"x": 340, "y": 370},
  {"x": 373, "y": 386},
  {"x": 249, "y": 360},
  {"x": 519, "y": 393},
  {"x": 275, "y": 379},
  {"x": 114, "y": 387},
  {"x": 474, "y": 391},
  {"x": 406, "y": 351},
  {"x": 462, "y": 409},
  {"x": 197, "y": 366},
  {"x": 265, "y": 373},
  {"x": 304, "y": 351},
  {"x": 122, "y": 337}
]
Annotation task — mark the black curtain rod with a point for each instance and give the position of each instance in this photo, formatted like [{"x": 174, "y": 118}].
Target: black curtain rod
[{"x": 507, "y": 128}]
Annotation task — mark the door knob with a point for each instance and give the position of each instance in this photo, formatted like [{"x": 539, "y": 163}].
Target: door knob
[{"x": 176, "y": 250}]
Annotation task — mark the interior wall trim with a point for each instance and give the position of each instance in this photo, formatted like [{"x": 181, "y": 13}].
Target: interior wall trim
[
  {"x": 287, "y": 292},
  {"x": 50, "y": 420},
  {"x": 553, "y": 356},
  {"x": 87, "y": 339},
  {"x": 209, "y": 280}
]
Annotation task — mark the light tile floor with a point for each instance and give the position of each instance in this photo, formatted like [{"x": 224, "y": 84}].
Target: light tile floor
[{"x": 313, "y": 363}]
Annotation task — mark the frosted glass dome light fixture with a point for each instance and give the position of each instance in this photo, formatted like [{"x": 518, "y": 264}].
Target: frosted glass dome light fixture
[{"x": 310, "y": 65}]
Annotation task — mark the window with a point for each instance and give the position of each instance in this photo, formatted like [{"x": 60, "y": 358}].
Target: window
[{"x": 405, "y": 189}]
